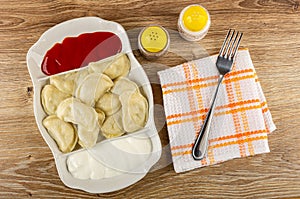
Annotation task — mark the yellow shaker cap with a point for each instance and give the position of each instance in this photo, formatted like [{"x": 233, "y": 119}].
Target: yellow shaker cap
[
  {"x": 154, "y": 39},
  {"x": 195, "y": 18}
]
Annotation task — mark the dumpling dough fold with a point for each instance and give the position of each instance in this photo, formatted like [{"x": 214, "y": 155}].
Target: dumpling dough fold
[{"x": 101, "y": 116}]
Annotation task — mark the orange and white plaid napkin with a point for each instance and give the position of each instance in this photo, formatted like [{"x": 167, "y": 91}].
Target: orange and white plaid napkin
[{"x": 241, "y": 121}]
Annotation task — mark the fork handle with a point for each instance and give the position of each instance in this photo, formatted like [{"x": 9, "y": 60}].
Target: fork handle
[{"x": 201, "y": 143}]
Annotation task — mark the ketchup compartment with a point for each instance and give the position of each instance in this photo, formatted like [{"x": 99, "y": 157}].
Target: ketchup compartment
[{"x": 76, "y": 52}]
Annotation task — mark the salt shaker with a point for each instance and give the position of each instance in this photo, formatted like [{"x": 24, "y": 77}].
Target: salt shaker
[{"x": 153, "y": 41}]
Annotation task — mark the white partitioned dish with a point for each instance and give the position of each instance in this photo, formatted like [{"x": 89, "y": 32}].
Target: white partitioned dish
[{"x": 35, "y": 55}]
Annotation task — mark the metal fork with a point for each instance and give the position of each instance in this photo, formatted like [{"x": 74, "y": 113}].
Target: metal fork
[{"x": 224, "y": 64}]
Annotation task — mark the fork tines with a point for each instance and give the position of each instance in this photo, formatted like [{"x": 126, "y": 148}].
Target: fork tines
[{"x": 230, "y": 44}]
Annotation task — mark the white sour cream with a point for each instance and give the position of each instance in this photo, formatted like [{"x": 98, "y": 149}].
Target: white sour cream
[{"x": 111, "y": 158}]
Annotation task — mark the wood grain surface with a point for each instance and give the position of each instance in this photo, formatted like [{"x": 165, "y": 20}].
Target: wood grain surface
[{"x": 272, "y": 33}]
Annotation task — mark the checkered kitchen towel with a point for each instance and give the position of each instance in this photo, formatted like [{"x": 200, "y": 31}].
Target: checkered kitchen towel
[{"x": 241, "y": 121}]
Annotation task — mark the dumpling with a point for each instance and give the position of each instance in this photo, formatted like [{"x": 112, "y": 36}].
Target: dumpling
[
  {"x": 51, "y": 98},
  {"x": 93, "y": 87},
  {"x": 122, "y": 85},
  {"x": 62, "y": 132},
  {"x": 109, "y": 103},
  {"x": 87, "y": 138},
  {"x": 72, "y": 110},
  {"x": 134, "y": 111},
  {"x": 116, "y": 67},
  {"x": 65, "y": 82},
  {"x": 68, "y": 82},
  {"x": 101, "y": 116},
  {"x": 112, "y": 126}
]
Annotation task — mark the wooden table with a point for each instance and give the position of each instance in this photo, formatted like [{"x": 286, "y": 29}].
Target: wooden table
[{"x": 272, "y": 33}]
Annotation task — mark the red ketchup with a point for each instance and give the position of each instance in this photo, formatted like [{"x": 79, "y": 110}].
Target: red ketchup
[{"x": 76, "y": 52}]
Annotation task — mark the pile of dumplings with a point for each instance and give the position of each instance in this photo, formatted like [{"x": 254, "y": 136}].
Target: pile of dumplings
[{"x": 93, "y": 104}]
